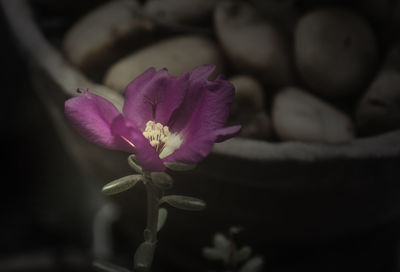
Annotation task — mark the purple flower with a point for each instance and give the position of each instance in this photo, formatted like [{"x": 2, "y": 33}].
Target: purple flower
[{"x": 164, "y": 118}]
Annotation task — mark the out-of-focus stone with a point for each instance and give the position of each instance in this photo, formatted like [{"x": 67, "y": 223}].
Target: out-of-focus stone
[
  {"x": 256, "y": 126},
  {"x": 105, "y": 34},
  {"x": 396, "y": 22},
  {"x": 177, "y": 54},
  {"x": 249, "y": 95},
  {"x": 299, "y": 116},
  {"x": 252, "y": 44},
  {"x": 380, "y": 13},
  {"x": 335, "y": 51},
  {"x": 248, "y": 108},
  {"x": 178, "y": 11},
  {"x": 379, "y": 109},
  {"x": 282, "y": 12},
  {"x": 76, "y": 6},
  {"x": 392, "y": 60}
]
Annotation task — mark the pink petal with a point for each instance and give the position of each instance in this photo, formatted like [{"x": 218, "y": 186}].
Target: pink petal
[
  {"x": 92, "y": 116},
  {"x": 201, "y": 118},
  {"x": 198, "y": 85},
  {"x": 202, "y": 73},
  {"x": 146, "y": 155},
  {"x": 154, "y": 96},
  {"x": 226, "y": 133}
]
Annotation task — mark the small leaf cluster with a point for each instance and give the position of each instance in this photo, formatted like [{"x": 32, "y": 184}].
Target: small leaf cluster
[
  {"x": 160, "y": 180},
  {"x": 157, "y": 183},
  {"x": 226, "y": 251}
]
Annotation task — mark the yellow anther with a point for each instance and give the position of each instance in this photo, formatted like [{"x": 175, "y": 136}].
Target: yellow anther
[
  {"x": 166, "y": 130},
  {"x": 157, "y": 134},
  {"x": 154, "y": 143},
  {"x": 159, "y": 126},
  {"x": 161, "y": 139}
]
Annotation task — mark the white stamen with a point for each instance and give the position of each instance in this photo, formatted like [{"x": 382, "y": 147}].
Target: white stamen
[
  {"x": 161, "y": 138},
  {"x": 173, "y": 143}
]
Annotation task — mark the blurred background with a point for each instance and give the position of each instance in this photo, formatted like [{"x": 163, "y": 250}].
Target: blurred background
[
  {"x": 40, "y": 229},
  {"x": 318, "y": 73}
]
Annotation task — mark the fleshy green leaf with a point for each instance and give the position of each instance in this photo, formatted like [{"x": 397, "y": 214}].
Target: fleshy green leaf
[
  {"x": 179, "y": 166},
  {"x": 221, "y": 242},
  {"x": 184, "y": 202},
  {"x": 144, "y": 256},
  {"x": 212, "y": 254},
  {"x": 235, "y": 230},
  {"x": 162, "y": 217},
  {"x": 255, "y": 264},
  {"x": 102, "y": 266},
  {"x": 162, "y": 180},
  {"x": 134, "y": 165},
  {"x": 121, "y": 184},
  {"x": 243, "y": 254}
]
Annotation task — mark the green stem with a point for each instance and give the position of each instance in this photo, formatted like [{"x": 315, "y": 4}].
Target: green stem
[{"x": 153, "y": 198}]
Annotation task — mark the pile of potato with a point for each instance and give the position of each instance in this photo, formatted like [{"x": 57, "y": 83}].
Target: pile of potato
[{"x": 314, "y": 71}]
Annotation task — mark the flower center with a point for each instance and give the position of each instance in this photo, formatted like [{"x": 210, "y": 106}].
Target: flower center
[{"x": 163, "y": 141}]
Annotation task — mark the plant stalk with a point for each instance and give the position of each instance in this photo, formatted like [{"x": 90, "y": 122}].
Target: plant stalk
[{"x": 153, "y": 197}]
